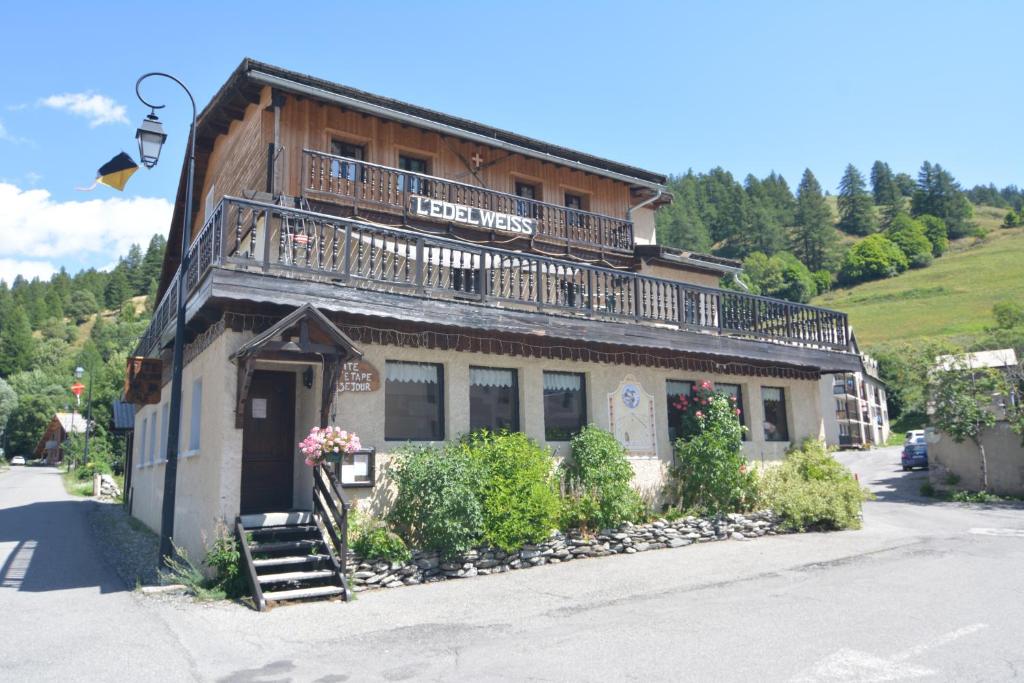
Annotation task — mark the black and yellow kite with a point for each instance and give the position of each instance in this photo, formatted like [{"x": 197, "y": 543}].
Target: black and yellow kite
[{"x": 115, "y": 173}]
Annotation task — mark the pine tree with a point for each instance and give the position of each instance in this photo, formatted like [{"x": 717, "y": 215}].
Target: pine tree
[
  {"x": 938, "y": 194},
  {"x": 17, "y": 347},
  {"x": 856, "y": 214},
  {"x": 118, "y": 289},
  {"x": 883, "y": 185},
  {"x": 814, "y": 239},
  {"x": 132, "y": 265},
  {"x": 679, "y": 224},
  {"x": 153, "y": 261}
]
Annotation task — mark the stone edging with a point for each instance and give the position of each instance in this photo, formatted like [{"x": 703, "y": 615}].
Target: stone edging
[{"x": 428, "y": 567}]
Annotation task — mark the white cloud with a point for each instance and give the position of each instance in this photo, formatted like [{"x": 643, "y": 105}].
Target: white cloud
[
  {"x": 99, "y": 109},
  {"x": 35, "y": 229},
  {"x": 11, "y": 268}
]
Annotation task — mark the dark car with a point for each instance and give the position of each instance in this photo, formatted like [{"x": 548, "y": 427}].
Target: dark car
[{"x": 915, "y": 454}]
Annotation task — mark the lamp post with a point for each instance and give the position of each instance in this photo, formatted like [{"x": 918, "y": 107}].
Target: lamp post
[
  {"x": 151, "y": 138},
  {"x": 79, "y": 371}
]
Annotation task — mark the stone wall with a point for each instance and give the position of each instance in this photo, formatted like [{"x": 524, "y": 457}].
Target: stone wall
[{"x": 429, "y": 567}]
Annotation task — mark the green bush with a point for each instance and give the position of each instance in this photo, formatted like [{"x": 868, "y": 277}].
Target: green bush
[
  {"x": 518, "y": 489},
  {"x": 909, "y": 235},
  {"x": 811, "y": 490},
  {"x": 936, "y": 232},
  {"x": 597, "y": 483},
  {"x": 225, "y": 559},
  {"x": 710, "y": 475},
  {"x": 872, "y": 258},
  {"x": 437, "y": 504},
  {"x": 378, "y": 543}
]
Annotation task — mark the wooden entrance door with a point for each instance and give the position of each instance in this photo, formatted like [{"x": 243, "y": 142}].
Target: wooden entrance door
[{"x": 268, "y": 443}]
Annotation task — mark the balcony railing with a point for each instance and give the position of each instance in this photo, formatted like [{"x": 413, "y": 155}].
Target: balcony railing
[
  {"x": 395, "y": 190},
  {"x": 271, "y": 238}
]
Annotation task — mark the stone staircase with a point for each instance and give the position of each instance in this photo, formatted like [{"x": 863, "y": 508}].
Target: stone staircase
[{"x": 288, "y": 558}]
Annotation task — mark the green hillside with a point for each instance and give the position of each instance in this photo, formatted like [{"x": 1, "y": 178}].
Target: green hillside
[{"x": 951, "y": 298}]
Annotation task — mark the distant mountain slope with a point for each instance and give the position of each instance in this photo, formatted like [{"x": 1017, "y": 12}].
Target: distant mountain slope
[{"x": 951, "y": 298}]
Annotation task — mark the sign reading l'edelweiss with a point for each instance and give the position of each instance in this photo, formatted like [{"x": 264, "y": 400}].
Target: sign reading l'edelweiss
[
  {"x": 631, "y": 418},
  {"x": 471, "y": 215}
]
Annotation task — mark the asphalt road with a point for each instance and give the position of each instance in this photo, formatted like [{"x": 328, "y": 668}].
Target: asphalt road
[{"x": 926, "y": 591}]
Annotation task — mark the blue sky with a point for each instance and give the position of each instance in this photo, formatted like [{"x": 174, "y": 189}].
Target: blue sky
[{"x": 749, "y": 86}]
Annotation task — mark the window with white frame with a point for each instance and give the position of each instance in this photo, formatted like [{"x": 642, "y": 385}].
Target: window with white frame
[
  {"x": 565, "y": 405},
  {"x": 776, "y": 422},
  {"x": 141, "y": 460},
  {"x": 195, "y": 416},
  {"x": 164, "y": 414},
  {"x": 151, "y": 454}
]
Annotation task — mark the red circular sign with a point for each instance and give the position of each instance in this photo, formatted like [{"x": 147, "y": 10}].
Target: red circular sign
[{"x": 77, "y": 388}]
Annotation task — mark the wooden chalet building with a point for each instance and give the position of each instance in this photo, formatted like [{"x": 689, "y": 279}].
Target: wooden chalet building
[{"x": 410, "y": 275}]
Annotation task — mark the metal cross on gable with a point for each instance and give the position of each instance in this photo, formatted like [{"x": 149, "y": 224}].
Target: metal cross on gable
[{"x": 477, "y": 159}]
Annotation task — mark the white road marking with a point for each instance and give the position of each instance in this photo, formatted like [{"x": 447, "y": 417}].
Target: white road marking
[
  {"x": 854, "y": 665},
  {"x": 1012, "y": 533}
]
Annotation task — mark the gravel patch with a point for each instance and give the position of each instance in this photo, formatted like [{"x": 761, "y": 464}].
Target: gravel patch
[{"x": 125, "y": 543}]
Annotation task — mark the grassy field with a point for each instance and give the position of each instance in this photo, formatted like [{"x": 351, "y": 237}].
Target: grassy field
[{"x": 951, "y": 298}]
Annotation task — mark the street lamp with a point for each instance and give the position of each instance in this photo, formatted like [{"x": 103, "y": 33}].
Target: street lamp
[
  {"x": 79, "y": 371},
  {"x": 151, "y": 138}
]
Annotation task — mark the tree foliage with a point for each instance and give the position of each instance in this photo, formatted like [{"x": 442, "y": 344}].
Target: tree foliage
[
  {"x": 856, "y": 210},
  {"x": 782, "y": 276},
  {"x": 873, "y": 258},
  {"x": 938, "y": 194},
  {"x": 814, "y": 238},
  {"x": 909, "y": 235}
]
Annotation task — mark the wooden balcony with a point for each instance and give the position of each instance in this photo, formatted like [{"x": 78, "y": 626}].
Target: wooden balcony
[
  {"x": 254, "y": 236},
  {"x": 429, "y": 198}
]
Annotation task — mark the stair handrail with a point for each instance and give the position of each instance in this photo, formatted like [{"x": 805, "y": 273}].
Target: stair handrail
[
  {"x": 330, "y": 513},
  {"x": 254, "y": 581}
]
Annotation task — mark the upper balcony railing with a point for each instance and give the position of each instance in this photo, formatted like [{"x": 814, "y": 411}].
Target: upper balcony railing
[
  {"x": 395, "y": 190},
  {"x": 275, "y": 239}
]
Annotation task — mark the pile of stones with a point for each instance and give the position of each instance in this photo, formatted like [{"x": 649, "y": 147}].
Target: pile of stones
[
  {"x": 429, "y": 567},
  {"x": 107, "y": 488}
]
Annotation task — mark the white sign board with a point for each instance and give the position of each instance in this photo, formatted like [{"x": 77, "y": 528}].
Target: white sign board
[
  {"x": 259, "y": 408},
  {"x": 631, "y": 419},
  {"x": 471, "y": 215}
]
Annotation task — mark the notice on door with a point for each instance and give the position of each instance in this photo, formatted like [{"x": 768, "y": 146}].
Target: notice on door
[{"x": 259, "y": 408}]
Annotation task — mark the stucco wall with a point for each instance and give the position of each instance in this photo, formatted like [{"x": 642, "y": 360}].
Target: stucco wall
[
  {"x": 208, "y": 482},
  {"x": 1003, "y": 451},
  {"x": 204, "y": 496},
  {"x": 364, "y": 413}
]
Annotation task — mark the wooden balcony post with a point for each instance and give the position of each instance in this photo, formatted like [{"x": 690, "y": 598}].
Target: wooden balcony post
[{"x": 419, "y": 265}]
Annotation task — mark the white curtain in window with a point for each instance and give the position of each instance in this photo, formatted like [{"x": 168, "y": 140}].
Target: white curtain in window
[
  {"x": 424, "y": 373},
  {"x": 491, "y": 377},
  {"x": 771, "y": 393},
  {"x": 562, "y": 381},
  {"x": 729, "y": 389},
  {"x": 675, "y": 388}
]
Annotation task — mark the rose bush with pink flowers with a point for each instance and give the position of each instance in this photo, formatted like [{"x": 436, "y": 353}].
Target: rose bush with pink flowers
[
  {"x": 686, "y": 411},
  {"x": 710, "y": 474},
  {"x": 323, "y": 441}
]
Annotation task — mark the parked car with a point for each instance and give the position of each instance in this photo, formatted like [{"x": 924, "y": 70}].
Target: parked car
[
  {"x": 18, "y": 460},
  {"x": 912, "y": 435},
  {"x": 915, "y": 453}
]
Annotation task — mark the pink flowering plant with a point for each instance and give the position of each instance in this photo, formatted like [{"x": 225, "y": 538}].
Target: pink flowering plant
[
  {"x": 710, "y": 473},
  {"x": 685, "y": 412},
  {"x": 325, "y": 441}
]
